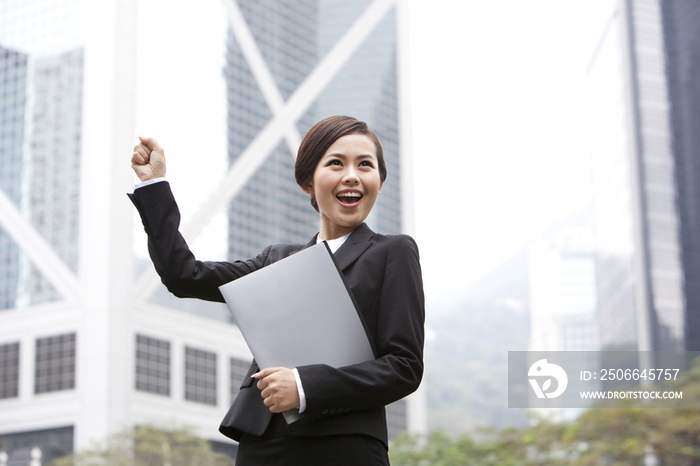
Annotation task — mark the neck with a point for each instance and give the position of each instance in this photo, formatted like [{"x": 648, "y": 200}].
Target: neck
[
  {"x": 325, "y": 236},
  {"x": 330, "y": 232}
]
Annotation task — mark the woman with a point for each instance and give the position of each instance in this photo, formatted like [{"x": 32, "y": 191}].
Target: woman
[{"x": 340, "y": 164}]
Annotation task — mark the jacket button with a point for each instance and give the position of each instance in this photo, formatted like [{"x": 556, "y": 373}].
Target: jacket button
[
  {"x": 325, "y": 411},
  {"x": 332, "y": 410},
  {"x": 347, "y": 410}
]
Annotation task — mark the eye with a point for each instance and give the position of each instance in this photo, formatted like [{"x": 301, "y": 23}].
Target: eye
[
  {"x": 367, "y": 163},
  {"x": 334, "y": 162}
]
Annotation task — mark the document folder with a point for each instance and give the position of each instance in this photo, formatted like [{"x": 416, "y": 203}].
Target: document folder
[{"x": 299, "y": 311}]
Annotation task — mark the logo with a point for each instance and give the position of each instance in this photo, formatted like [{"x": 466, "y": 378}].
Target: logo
[{"x": 542, "y": 369}]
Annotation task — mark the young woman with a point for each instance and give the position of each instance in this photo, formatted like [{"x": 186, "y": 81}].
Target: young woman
[{"x": 341, "y": 165}]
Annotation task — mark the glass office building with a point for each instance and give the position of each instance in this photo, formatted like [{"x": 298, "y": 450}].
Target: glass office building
[
  {"x": 646, "y": 175},
  {"x": 53, "y": 196},
  {"x": 293, "y": 38},
  {"x": 562, "y": 293},
  {"x": 13, "y": 79},
  {"x": 41, "y": 110}
]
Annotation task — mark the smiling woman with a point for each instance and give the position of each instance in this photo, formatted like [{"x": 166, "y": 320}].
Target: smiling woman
[
  {"x": 347, "y": 177},
  {"x": 340, "y": 163}
]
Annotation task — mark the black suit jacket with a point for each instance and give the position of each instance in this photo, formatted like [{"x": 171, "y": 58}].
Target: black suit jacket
[{"x": 383, "y": 273}]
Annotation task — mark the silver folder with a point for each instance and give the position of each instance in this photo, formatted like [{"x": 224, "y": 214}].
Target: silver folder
[{"x": 299, "y": 311}]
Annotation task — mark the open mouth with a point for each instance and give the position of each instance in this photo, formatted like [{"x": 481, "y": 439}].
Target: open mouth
[{"x": 349, "y": 197}]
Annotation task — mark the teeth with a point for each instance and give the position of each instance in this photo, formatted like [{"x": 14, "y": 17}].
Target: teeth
[{"x": 358, "y": 195}]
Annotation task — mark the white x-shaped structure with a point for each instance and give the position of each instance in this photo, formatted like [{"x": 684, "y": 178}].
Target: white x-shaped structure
[{"x": 282, "y": 125}]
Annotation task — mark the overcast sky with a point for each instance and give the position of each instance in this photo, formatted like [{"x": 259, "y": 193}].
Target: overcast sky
[
  {"x": 499, "y": 119},
  {"x": 499, "y": 134}
]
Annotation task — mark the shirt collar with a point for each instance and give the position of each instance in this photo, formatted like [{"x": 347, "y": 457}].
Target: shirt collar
[{"x": 333, "y": 244}]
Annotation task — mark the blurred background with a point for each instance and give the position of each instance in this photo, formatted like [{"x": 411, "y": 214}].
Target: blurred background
[{"x": 544, "y": 154}]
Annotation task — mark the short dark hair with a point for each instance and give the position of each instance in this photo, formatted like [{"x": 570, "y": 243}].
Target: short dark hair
[{"x": 321, "y": 137}]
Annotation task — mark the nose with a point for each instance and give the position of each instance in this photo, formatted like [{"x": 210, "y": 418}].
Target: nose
[{"x": 350, "y": 177}]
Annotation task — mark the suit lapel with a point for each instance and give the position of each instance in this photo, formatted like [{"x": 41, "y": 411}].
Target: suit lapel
[
  {"x": 358, "y": 242},
  {"x": 310, "y": 243}
]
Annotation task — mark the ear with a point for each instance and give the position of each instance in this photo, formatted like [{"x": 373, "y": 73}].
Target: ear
[
  {"x": 381, "y": 185},
  {"x": 308, "y": 187}
]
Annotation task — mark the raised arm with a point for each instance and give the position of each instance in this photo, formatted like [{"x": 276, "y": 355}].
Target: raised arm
[{"x": 180, "y": 271}]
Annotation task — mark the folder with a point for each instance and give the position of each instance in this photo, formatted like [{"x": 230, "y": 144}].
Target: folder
[{"x": 299, "y": 311}]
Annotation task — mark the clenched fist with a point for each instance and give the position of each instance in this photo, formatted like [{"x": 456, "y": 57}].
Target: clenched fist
[{"x": 148, "y": 160}]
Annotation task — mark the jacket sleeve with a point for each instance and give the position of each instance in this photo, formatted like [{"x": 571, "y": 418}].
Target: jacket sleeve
[
  {"x": 179, "y": 270},
  {"x": 398, "y": 369}
]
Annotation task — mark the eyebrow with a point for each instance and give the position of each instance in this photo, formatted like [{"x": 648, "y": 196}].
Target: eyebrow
[{"x": 343, "y": 156}]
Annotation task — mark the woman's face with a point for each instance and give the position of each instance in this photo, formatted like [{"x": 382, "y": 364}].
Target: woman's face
[{"x": 346, "y": 184}]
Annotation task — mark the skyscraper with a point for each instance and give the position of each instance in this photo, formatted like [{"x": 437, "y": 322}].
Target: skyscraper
[
  {"x": 646, "y": 175},
  {"x": 53, "y": 197},
  {"x": 61, "y": 264},
  {"x": 87, "y": 343},
  {"x": 561, "y": 279},
  {"x": 13, "y": 78},
  {"x": 293, "y": 38}
]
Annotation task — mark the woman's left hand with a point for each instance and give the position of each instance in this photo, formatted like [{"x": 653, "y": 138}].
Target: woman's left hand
[{"x": 279, "y": 388}]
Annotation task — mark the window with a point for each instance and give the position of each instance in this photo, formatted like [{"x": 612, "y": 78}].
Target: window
[
  {"x": 239, "y": 369},
  {"x": 200, "y": 376},
  {"x": 53, "y": 443},
  {"x": 9, "y": 370},
  {"x": 55, "y": 363},
  {"x": 396, "y": 418},
  {"x": 152, "y": 365}
]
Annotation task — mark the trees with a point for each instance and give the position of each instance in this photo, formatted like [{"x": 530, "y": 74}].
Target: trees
[
  {"x": 148, "y": 446},
  {"x": 530, "y": 446},
  {"x": 630, "y": 431},
  {"x": 622, "y": 433}
]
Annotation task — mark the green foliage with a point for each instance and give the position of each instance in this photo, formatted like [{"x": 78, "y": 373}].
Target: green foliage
[
  {"x": 148, "y": 446},
  {"x": 623, "y": 433},
  {"x": 629, "y": 431},
  {"x": 490, "y": 447}
]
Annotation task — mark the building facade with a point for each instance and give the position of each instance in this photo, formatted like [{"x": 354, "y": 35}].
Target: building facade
[
  {"x": 63, "y": 274},
  {"x": 293, "y": 38},
  {"x": 643, "y": 80},
  {"x": 13, "y": 78},
  {"x": 562, "y": 294},
  {"x": 89, "y": 341}
]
